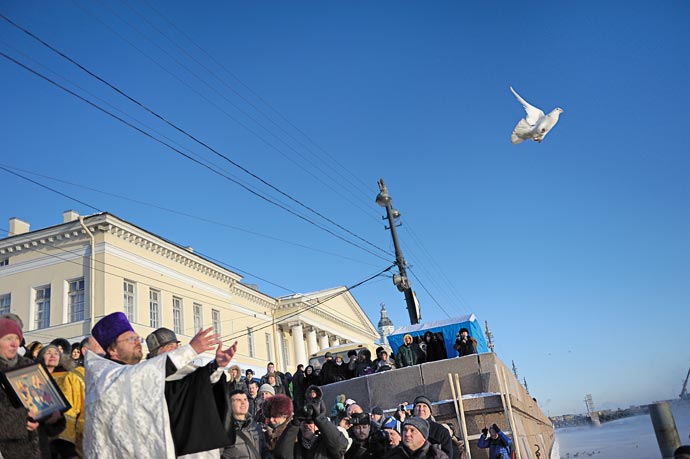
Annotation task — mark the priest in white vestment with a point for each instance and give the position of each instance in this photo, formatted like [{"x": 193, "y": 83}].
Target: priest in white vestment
[{"x": 126, "y": 412}]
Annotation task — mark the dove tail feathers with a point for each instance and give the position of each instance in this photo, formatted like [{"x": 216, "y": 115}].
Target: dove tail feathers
[{"x": 521, "y": 132}]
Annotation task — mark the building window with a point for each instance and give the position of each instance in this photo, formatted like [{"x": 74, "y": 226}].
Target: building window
[
  {"x": 286, "y": 353},
  {"x": 198, "y": 318},
  {"x": 5, "y": 303},
  {"x": 269, "y": 347},
  {"x": 76, "y": 300},
  {"x": 130, "y": 300},
  {"x": 4, "y": 261},
  {"x": 215, "y": 317},
  {"x": 250, "y": 342},
  {"x": 42, "y": 307},
  {"x": 177, "y": 315},
  {"x": 154, "y": 308}
]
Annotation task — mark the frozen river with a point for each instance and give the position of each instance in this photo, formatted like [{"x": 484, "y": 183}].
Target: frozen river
[{"x": 628, "y": 438}]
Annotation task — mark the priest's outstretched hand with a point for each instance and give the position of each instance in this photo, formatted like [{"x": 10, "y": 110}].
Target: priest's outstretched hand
[
  {"x": 223, "y": 357},
  {"x": 203, "y": 341}
]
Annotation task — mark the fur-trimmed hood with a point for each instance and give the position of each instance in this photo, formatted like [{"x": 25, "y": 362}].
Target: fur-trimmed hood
[
  {"x": 238, "y": 378},
  {"x": 315, "y": 388}
]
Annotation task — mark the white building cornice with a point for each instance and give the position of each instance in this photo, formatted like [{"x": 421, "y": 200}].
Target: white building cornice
[{"x": 108, "y": 223}]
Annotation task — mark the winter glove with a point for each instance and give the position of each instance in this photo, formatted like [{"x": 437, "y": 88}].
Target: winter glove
[
  {"x": 485, "y": 431},
  {"x": 316, "y": 409},
  {"x": 495, "y": 428}
]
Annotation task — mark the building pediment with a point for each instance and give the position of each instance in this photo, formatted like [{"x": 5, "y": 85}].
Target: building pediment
[{"x": 334, "y": 305}]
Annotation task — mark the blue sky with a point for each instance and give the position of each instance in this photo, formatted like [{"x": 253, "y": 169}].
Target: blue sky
[{"x": 575, "y": 250}]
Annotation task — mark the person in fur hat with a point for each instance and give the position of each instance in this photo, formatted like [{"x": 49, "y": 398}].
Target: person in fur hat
[
  {"x": 464, "y": 343},
  {"x": 281, "y": 430}
]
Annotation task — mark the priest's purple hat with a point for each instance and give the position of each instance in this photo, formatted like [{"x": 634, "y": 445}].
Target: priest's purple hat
[{"x": 109, "y": 328}]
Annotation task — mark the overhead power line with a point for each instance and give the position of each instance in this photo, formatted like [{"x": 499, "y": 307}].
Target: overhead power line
[
  {"x": 317, "y": 302},
  {"x": 178, "y": 151},
  {"x": 332, "y": 159},
  {"x": 157, "y": 281},
  {"x": 200, "y": 77},
  {"x": 184, "y": 214},
  {"x": 179, "y": 129}
]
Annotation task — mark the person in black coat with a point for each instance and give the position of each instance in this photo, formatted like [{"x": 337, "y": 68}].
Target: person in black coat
[
  {"x": 310, "y": 376},
  {"x": 415, "y": 442},
  {"x": 364, "y": 365},
  {"x": 314, "y": 396},
  {"x": 326, "y": 373},
  {"x": 435, "y": 347},
  {"x": 340, "y": 372},
  {"x": 438, "y": 435},
  {"x": 464, "y": 343},
  {"x": 298, "y": 388},
  {"x": 317, "y": 437}
]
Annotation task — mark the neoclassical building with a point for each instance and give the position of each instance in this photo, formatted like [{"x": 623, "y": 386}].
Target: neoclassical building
[{"x": 58, "y": 278}]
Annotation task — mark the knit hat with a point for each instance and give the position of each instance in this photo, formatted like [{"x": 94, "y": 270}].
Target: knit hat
[
  {"x": 13, "y": 316},
  {"x": 418, "y": 423},
  {"x": 9, "y": 326},
  {"x": 422, "y": 399},
  {"x": 267, "y": 388},
  {"x": 393, "y": 424},
  {"x": 377, "y": 410},
  {"x": 160, "y": 338},
  {"x": 107, "y": 330},
  {"x": 280, "y": 405},
  {"x": 349, "y": 402}
]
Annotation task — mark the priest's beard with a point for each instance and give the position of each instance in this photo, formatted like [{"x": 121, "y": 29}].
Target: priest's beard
[{"x": 129, "y": 356}]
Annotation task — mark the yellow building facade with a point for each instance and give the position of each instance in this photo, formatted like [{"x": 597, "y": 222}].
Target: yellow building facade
[{"x": 57, "y": 278}]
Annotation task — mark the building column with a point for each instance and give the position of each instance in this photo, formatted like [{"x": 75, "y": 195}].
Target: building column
[
  {"x": 281, "y": 351},
  {"x": 312, "y": 345},
  {"x": 335, "y": 341},
  {"x": 298, "y": 343},
  {"x": 323, "y": 340}
]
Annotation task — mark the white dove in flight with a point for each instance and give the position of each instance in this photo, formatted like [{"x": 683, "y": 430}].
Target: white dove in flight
[{"x": 535, "y": 125}]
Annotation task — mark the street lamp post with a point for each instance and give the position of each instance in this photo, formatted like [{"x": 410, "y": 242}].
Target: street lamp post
[{"x": 401, "y": 280}]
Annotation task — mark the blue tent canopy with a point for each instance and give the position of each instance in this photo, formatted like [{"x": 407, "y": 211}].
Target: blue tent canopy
[{"x": 448, "y": 327}]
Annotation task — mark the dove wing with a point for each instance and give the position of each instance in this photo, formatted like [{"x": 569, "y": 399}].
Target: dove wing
[{"x": 533, "y": 113}]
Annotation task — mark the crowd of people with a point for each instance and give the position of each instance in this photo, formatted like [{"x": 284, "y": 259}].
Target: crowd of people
[{"x": 124, "y": 406}]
